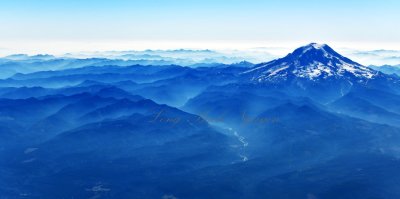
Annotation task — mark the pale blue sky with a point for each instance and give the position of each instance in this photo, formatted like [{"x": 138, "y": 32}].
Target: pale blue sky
[{"x": 122, "y": 24}]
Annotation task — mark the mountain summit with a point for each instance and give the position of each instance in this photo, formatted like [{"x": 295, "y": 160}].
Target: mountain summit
[{"x": 313, "y": 61}]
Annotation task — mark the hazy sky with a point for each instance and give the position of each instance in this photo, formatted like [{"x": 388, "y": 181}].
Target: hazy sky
[{"x": 51, "y": 26}]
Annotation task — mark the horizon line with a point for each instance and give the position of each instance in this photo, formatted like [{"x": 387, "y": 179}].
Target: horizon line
[{"x": 64, "y": 47}]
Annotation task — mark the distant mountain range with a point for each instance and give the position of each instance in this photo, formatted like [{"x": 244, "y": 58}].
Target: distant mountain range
[
  {"x": 23, "y": 63},
  {"x": 313, "y": 124},
  {"x": 388, "y": 69}
]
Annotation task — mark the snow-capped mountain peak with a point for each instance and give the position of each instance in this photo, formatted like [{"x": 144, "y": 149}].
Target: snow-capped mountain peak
[
  {"x": 315, "y": 46},
  {"x": 313, "y": 61}
]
